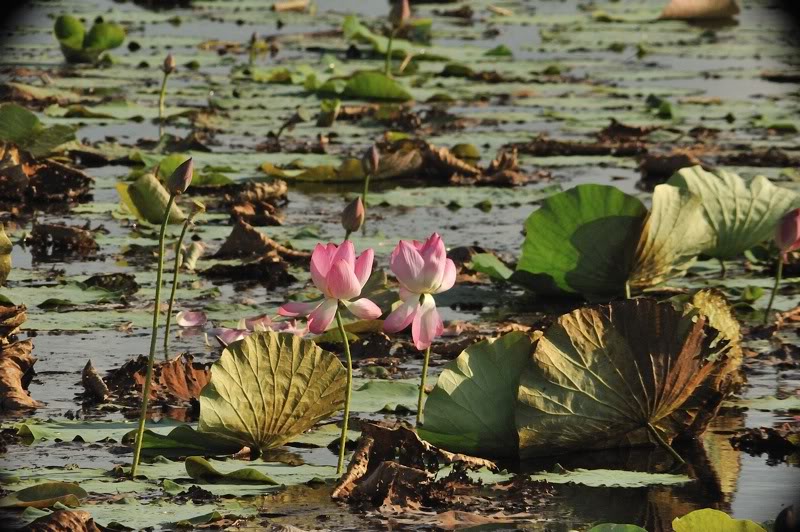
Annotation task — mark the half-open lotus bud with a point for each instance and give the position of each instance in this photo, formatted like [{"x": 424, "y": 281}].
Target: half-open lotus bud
[
  {"x": 371, "y": 160},
  {"x": 787, "y": 235},
  {"x": 400, "y": 14},
  {"x": 353, "y": 215},
  {"x": 181, "y": 178},
  {"x": 169, "y": 64}
]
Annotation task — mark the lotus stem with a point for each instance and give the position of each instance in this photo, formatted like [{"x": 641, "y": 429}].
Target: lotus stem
[
  {"x": 161, "y": 108},
  {"x": 667, "y": 447},
  {"x": 364, "y": 201},
  {"x": 778, "y": 276},
  {"x": 422, "y": 385},
  {"x": 347, "y": 235},
  {"x": 343, "y": 440},
  {"x": 153, "y": 337},
  {"x": 722, "y": 270},
  {"x": 627, "y": 290},
  {"x": 387, "y": 69},
  {"x": 178, "y": 245}
]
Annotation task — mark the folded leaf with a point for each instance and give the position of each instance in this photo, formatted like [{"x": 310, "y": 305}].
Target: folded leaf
[
  {"x": 471, "y": 409},
  {"x": 602, "y": 374},
  {"x": 146, "y": 198},
  {"x": 199, "y": 468},
  {"x": 270, "y": 387},
  {"x": 741, "y": 214}
]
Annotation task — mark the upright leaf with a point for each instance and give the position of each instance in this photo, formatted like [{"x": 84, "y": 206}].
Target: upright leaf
[
  {"x": 674, "y": 235},
  {"x": 269, "y": 388},
  {"x": 104, "y": 36},
  {"x": 146, "y": 198},
  {"x": 581, "y": 241},
  {"x": 600, "y": 375},
  {"x": 741, "y": 214},
  {"x": 471, "y": 409}
]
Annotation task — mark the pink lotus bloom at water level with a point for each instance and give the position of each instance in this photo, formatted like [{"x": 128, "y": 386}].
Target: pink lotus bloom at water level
[
  {"x": 422, "y": 269},
  {"x": 340, "y": 276}
]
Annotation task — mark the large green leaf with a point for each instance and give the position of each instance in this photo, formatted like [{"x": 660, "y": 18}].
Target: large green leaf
[
  {"x": 70, "y": 33},
  {"x": 600, "y": 375},
  {"x": 104, "y": 36},
  {"x": 21, "y": 127},
  {"x": 146, "y": 198},
  {"x": 741, "y": 214},
  {"x": 5, "y": 255},
  {"x": 369, "y": 85},
  {"x": 45, "y": 495},
  {"x": 269, "y": 388},
  {"x": 674, "y": 235},
  {"x": 581, "y": 241},
  {"x": 710, "y": 520},
  {"x": 471, "y": 409}
]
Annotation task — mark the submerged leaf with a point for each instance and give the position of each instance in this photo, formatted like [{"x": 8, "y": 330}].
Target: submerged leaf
[
  {"x": 269, "y": 388},
  {"x": 740, "y": 214},
  {"x": 602, "y": 374},
  {"x": 581, "y": 241},
  {"x": 471, "y": 409}
]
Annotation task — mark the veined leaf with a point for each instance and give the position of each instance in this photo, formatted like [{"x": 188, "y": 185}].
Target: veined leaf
[
  {"x": 741, "y": 214},
  {"x": 674, "y": 235},
  {"x": 270, "y": 387},
  {"x": 600, "y": 375},
  {"x": 471, "y": 409},
  {"x": 581, "y": 241}
]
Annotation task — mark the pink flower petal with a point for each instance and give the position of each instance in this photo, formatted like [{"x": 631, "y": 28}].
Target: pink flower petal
[
  {"x": 321, "y": 263},
  {"x": 296, "y": 308},
  {"x": 190, "y": 318},
  {"x": 449, "y": 277},
  {"x": 228, "y": 336},
  {"x": 263, "y": 320},
  {"x": 402, "y": 316},
  {"x": 363, "y": 267},
  {"x": 347, "y": 253},
  {"x": 342, "y": 281},
  {"x": 434, "y": 256},
  {"x": 406, "y": 263},
  {"x": 321, "y": 318},
  {"x": 364, "y": 308},
  {"x": 427, "y": 324}
]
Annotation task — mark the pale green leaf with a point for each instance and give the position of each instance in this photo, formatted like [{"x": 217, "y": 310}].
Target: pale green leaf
[{"x": 710, "y": 520}]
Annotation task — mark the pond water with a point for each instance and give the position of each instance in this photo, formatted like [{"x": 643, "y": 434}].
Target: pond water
[{"x": 711, "y": 76}]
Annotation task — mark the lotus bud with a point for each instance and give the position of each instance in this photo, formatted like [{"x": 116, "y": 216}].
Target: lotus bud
[
  {"x": 353, "y": 215},
  {"x": 169, "y": 64},
  {"x": 181, "y": 178},
  {"x": 400, "y": 13},
  {"x": 787, "y": 235},
  {"x": 371, "y": 160}
]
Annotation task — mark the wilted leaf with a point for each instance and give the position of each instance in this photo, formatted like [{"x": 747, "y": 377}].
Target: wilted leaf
[
  {"x": 581, "y": 241},
  {"x": 199, "y": 468},
  {"x": 713, "y": 520},
  {"x": 72, "y": 520},
  {"x": 16, "y": 371},
  {"x": 674, "y": 234},
  {"x": 471, "y": 409},
  {"x": 146, "y": 198},
  {"x": 741, "y": 214},
  {"x": 45, "y": 495},
  {"x": 602, "y": 374},
  {"x": 269, "y": 388}
]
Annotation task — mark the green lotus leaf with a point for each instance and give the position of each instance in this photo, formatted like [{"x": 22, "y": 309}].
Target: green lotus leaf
[
  {"x": 269, "y": 388},
  {"x": 199, "y": 468},
  {"x": 471, "y": 408},
  {"x": 45, "y": 495},
  {"x": 605, "y": 376},
  {"x": 581, "y": 241},
  {"x": 709, "y": 520},
  {"x": 104, "y": 36},
  {"x": 741, "y": 214},
  {"x": 5, "y": 255},
  {"x": 611, "y": 478},
  {"x": 615, "y": 527},
  {"x": 146, "y": 198},
  {"x": 674, "y": 234},
  {"x": 70, "y": 33},
  {"x": 22, "y": 128},
  {"x": 489, "y": 264},
  {"x": 369, "y": 85}
]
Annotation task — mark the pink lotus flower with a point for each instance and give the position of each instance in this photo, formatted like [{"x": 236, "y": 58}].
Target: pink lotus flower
[
  {"x": 787, "y": 235},
  {"x": 422, "y": 269},
  {"x": 190, "y": 318},
  {"x": 340, "y": 276}
]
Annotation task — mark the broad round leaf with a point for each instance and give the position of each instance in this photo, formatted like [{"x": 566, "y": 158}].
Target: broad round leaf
[
  {"x": 741, "y": 214},
  {"x": 674, "y": 235},
  {"x": 709, "y": 520},
  {"x": 601, "y": 374},
  {"x": 471, "y": 409},
  {"x": 270, "y": 387},
  {"x": 581, "y": 241}
]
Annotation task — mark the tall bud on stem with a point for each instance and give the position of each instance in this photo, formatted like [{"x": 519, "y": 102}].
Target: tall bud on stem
[
  {"x": 398, "y": 17},
  {"x": 168, "y": 67},
  {"x": 787, "y": 238}
]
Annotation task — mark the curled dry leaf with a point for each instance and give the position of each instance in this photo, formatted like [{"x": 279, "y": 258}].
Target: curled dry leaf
[
  {"x": 617, "y": 139},
  {"x": 93, "y": 383},
  {"x": 700, "y": 9},
  {"x": 268, "y": 271},
  {"x": 178, "y": 379},
  {"x": 63, "y": 521},
  {"x": 58, "y": 239},
  {"x": 247, "y": 241},
  {"x": 16, "y": 362},
  {"x": 24, "y": 179},
  {"x": 11, "y": 317}
]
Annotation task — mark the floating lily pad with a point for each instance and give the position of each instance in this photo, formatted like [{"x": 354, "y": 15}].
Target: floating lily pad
[
  {"x": 200, "y": 469},
  {"x": 45, "y": 495},
  {"x": 612, "y": 478}
]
